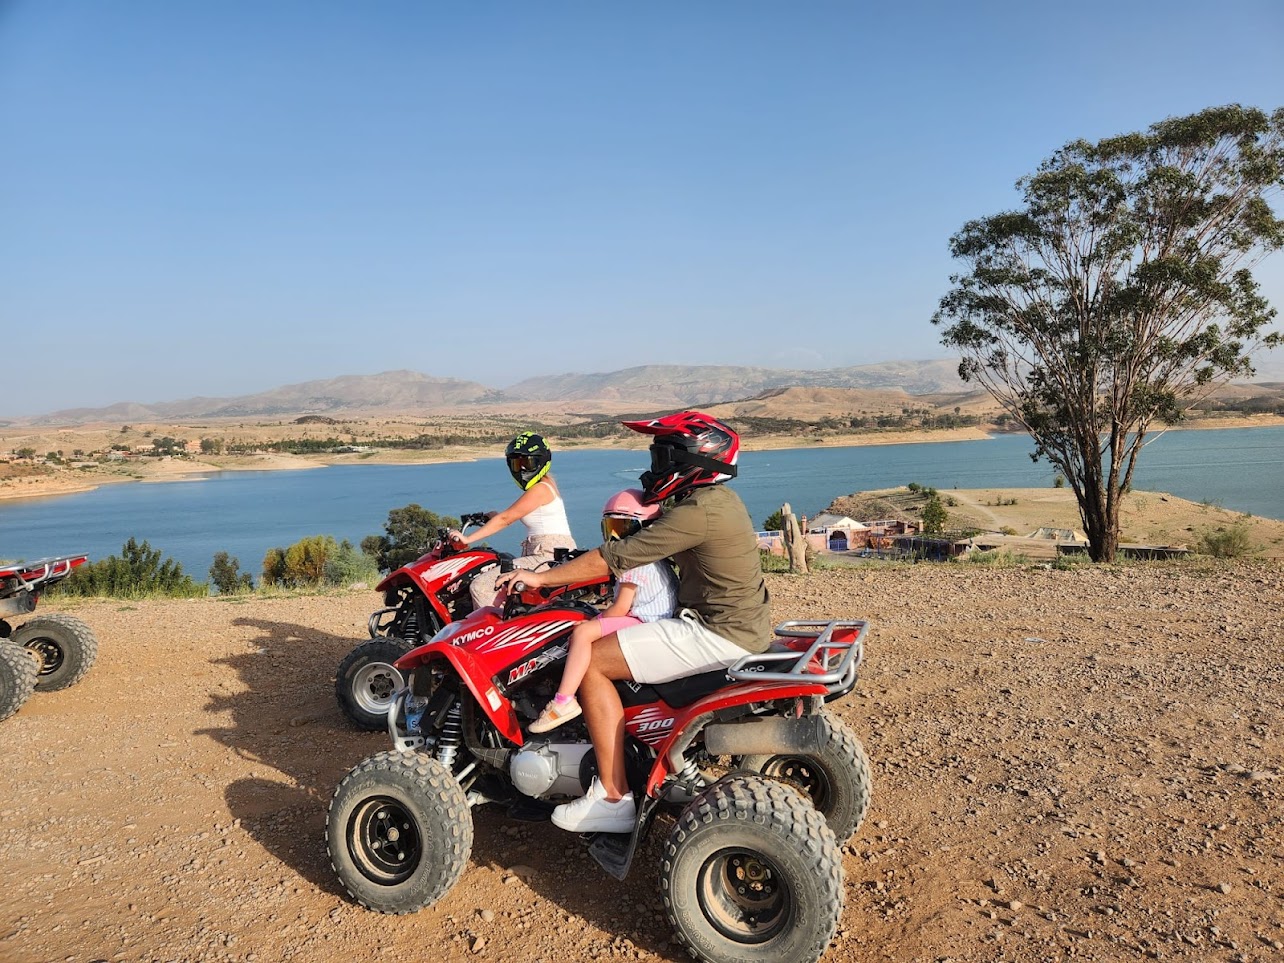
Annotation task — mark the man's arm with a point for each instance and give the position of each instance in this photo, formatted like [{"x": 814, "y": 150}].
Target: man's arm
[{"x": 588, "y": 567}]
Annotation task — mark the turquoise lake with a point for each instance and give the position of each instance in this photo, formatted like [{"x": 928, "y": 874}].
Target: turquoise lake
[{"x": 246, "y": 513}]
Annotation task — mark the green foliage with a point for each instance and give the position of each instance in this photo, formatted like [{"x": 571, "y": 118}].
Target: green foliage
[
  {"x": 408, "y": 533},
  {"x": 317, "y": 560},
  {"x": 1059, "y": 480},
  {"x": 935, "y": 516},
  {"x": 211, "y": 446},
  {"x": 1118, "y": 294},
  {"x": 773, "y": 563},
  {"x": 350, "y": 566},
  {"x": 138, "y": 572},
  {"x": 997, "y": 558},
  {"x": 26, "y": 452},
  {"x": 227, "y": 577},
  {"x": 775, "y": 522},
  {"x": 273, "y": 572},
  {"x": 914, "y": 487},
  {"x": 1232, "y": 541}
]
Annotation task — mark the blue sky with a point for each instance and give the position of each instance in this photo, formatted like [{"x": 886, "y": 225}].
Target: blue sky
[{"x": 220, "y": 198}]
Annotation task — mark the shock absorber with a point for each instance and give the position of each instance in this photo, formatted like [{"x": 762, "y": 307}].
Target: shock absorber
[{"x": 451, "y": 734}]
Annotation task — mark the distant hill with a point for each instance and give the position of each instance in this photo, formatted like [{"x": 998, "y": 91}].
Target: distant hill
[
  {"x": 349, "y": 394},
  {"x": 650, "y": 387},
  {"x": 747, "y": 391}
]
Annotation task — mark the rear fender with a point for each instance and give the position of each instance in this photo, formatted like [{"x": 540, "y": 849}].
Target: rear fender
[
  {"x": 696, "y": 716},
  {"x": 493, "y": 702}
]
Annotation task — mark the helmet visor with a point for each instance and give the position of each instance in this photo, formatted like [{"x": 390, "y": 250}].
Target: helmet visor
[
  {"x": 522, "y": 463},
  {"x": 614, "y": 527}
]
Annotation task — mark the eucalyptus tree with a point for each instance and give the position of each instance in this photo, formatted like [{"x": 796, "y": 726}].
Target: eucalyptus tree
[{"x": 1121, "y": 292}]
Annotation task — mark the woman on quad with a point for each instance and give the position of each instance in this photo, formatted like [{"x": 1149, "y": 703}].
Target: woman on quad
[{"x": 540, "y": 508}]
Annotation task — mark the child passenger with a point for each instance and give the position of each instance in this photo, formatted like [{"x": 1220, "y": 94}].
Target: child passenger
[{"x": 643, "y": 594}]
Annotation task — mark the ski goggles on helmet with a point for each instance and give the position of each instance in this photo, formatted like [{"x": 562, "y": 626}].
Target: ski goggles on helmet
[
  {"x": 523, "y": 462},
  {"x": 616, "y": 526}
]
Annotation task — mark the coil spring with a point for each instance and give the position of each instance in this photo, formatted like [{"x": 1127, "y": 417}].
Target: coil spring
[{"x": 452, "y": 733}]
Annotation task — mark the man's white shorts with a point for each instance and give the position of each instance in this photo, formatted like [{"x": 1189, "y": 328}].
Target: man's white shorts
[{"x": 674, "y": 648}]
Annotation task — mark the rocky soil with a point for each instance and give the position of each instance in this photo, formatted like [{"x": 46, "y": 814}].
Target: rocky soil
[{"x": 1079, "y": 764}]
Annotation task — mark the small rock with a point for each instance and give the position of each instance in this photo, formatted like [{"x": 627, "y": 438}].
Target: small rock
[
  {"x": 478, "y": 944},
  {"x": 1223, "y": 887},
  {"x": 1015, "y": 904},
  {"x": 487, "y": 916}
]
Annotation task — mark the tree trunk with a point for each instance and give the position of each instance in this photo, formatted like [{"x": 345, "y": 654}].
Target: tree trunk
[{"x": 795, "y": 545}]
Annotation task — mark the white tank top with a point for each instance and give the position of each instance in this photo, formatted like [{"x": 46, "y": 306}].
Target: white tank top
[{"x": 548, "y": 519}]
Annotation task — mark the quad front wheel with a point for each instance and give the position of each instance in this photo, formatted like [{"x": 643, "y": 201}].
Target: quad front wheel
[
  {"x": 399, "y": 832},
  {"x": 17, "y": 677},
  {"x": 368, "y": 679},
  {"x": 751, "y": 872},
  {"x": 65, "y": 647},
  {"x": 836, "y": 778}
]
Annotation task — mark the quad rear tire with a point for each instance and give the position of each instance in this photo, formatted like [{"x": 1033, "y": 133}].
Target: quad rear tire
[
  {"x": 836, "y": 779},
  {"x": 399, "y": 832},
  {"x": 367, "y": 680},
  {"x": 64, "y": 646},
  {"x": 18, "y": 672},
  {"x": 751, "y": 872}
]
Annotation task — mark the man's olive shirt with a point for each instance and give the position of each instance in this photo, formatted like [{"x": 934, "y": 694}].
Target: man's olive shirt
[{"x": 711, "y": 539}]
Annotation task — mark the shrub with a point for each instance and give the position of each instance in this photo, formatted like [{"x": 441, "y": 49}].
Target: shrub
[
  {"x": 775, "y": 522},
  {"x": 349, "y": 565},
  {"x": 1231, "y": 542},
  {"x": 1059, "y": 481},
  {"x": 227, "y": 576},
  {"x": 138, "y": 572},
  {"x": 409, "y": 532}
]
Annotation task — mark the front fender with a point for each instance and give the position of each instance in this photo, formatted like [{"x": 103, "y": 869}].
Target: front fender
[{"x": 496, "y": 706}]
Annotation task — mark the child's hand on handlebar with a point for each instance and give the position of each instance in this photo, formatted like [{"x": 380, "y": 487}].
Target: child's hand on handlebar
[{"x": 456, "y": 539}]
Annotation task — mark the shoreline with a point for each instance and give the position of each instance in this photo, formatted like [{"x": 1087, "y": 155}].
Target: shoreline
[{"x": 170, "y": 469}]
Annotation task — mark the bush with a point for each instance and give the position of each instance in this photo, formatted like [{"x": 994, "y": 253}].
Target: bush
[
  {"x": 138, "y": 572},
  {"x": 410, "y": 531},
  {"x": 350, "y": 566},
  {"x": 775, "y": 522},
  {"x": 1232, "y": 542},
  {"x": 227, "y": 576},
  {"x": 315, "y": 561}
]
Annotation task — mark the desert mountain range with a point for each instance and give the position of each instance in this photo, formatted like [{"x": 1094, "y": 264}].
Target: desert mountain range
[
  {"x": 748, "y": 391},
  {"x": 644, "y": 388}
]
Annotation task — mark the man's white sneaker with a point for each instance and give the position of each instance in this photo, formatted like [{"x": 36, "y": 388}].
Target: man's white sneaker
[{"x": 594, "y": 813}]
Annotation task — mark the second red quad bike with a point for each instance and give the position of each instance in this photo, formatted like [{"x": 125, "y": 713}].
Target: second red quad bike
[
  {"x": 763, "y": 782},
  {"x": 45, "y": 653},
  {"x": 420, "y": 598}
]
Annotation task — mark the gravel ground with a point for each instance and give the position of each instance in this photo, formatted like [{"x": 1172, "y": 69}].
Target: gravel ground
[{"x": 1068, "y": 765}]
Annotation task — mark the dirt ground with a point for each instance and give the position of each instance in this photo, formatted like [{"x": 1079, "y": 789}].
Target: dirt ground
[{"x": 1079, "y": 764}]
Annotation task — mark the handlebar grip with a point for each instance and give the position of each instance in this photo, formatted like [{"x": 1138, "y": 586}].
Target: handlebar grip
[{"x": 518, "y": 587}]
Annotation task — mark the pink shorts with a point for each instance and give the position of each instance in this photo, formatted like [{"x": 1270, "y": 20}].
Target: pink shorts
[{"x": 615, "y": 623}]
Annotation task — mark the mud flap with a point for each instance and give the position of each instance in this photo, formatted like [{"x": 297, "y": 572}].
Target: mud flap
[{"x": 614, "y": 851}]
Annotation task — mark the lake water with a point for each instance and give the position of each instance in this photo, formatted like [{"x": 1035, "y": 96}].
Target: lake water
[{"x": 246, "y": 513}]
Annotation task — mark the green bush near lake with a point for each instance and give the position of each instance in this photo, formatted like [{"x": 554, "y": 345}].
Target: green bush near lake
[{"x": 138, "y": 572}]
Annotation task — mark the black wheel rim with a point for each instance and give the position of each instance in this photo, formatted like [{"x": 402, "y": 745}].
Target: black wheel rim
[
  {"x": 50, "y": 654},
  {"x": 804, "y": 775},
  {"x": 744, "y": 896},
  {"x": 384, "y": 841}
]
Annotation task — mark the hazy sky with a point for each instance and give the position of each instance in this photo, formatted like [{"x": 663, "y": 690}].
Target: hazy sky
[{"x": 219, "y": 198}]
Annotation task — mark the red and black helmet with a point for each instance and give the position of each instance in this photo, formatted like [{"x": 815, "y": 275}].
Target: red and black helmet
[{"x": 691, "y": 449}]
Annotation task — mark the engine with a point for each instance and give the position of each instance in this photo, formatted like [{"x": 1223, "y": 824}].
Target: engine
[{"x": 549, "y": 769}]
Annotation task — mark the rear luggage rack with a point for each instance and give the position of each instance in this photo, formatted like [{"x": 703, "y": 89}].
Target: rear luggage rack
[
  {"x": 837, "y": 651},
  {"x": 28, "y": 575}
]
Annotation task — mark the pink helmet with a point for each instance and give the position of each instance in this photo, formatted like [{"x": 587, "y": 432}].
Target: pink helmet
[{"x": 625, "y": 513}]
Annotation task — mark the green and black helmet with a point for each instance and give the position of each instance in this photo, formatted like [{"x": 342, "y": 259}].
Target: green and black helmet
[{"x": 529, "y": 459}]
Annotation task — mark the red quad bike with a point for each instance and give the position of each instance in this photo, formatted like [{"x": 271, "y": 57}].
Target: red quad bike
[
  {"x": 48, "y": 652},
  {"x": 751, "y": 870},
  {"x": 420, "y": 599}
]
